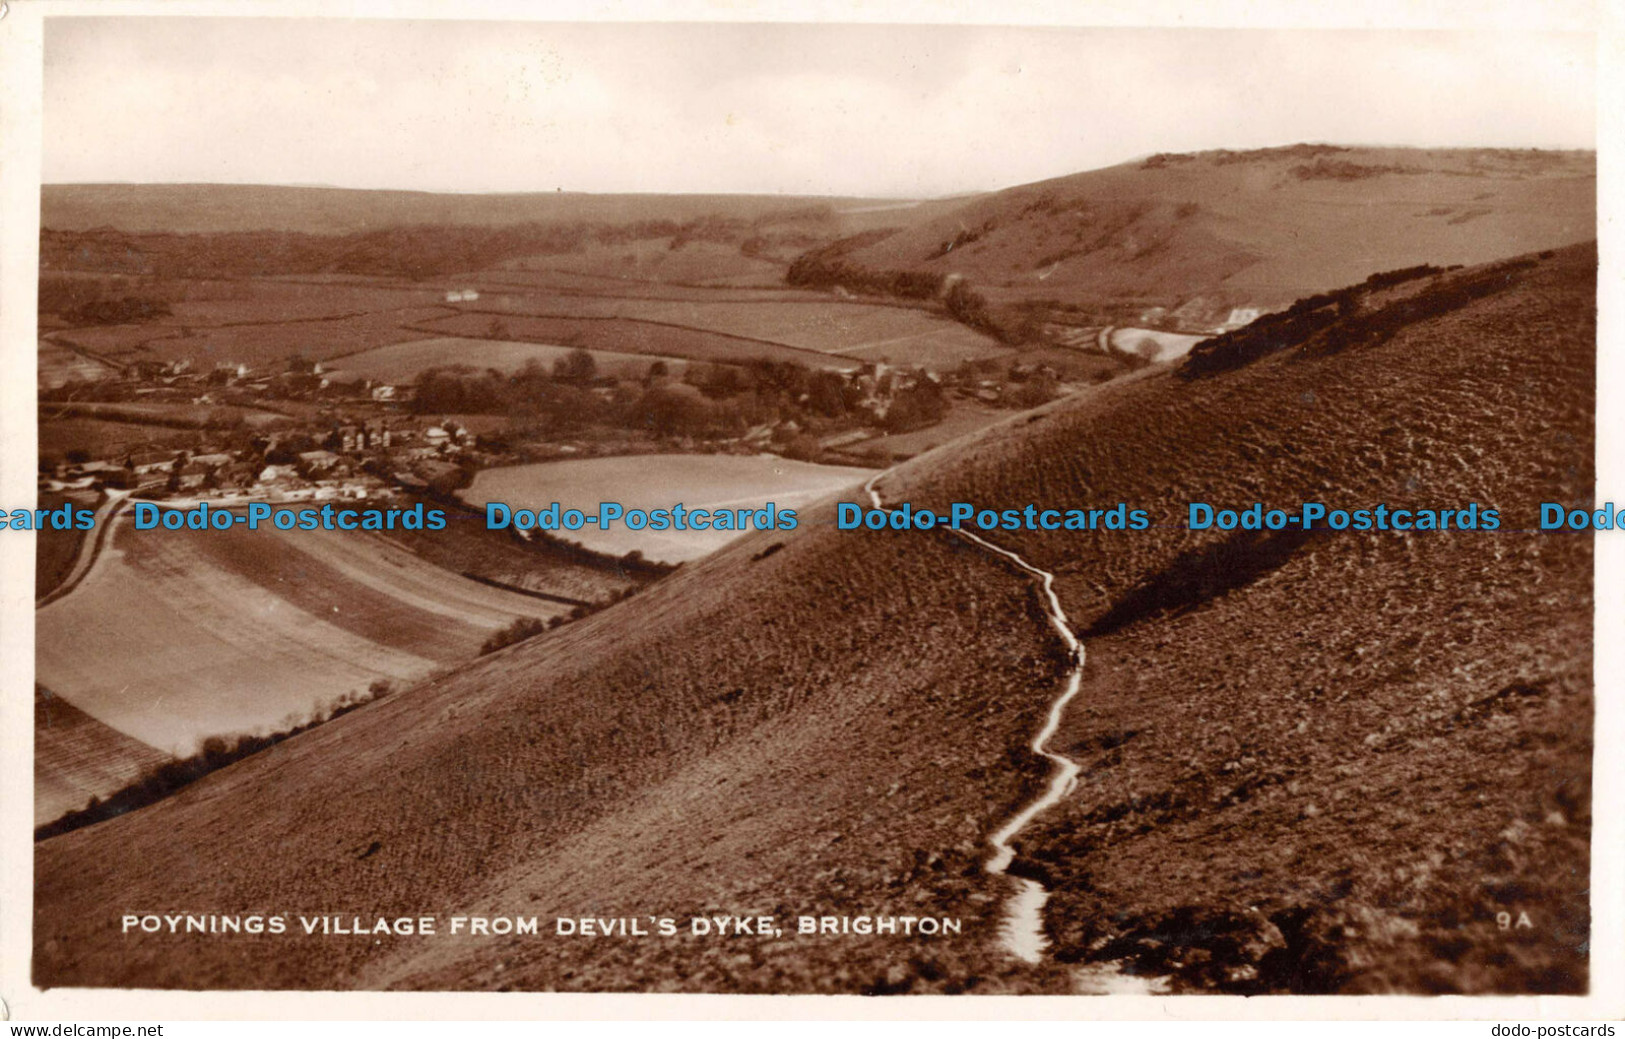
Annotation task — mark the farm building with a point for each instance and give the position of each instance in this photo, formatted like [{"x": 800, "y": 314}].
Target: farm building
[{"x": 462, "y": 296}]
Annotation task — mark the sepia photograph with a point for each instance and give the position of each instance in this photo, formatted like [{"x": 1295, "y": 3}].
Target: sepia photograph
[{"x": 790, "y": 508}]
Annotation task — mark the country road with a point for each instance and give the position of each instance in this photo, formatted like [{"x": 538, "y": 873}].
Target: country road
[{"x": 90, "y": 548}]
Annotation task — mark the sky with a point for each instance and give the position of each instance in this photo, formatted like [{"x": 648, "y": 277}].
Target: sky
[{"x": 873, "y": 111}]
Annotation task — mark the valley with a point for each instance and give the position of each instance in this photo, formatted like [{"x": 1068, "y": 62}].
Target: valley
[{"x": 1170, "y": 760}]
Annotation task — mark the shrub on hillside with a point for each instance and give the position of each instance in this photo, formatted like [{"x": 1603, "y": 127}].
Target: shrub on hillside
[
  {"x": 519, "y": 630},
  {"x": 1330, "y": 322}
]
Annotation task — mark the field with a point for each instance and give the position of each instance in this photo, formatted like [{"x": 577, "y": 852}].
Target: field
[
  {"x": 548, "y": 280},
  {"x": 174, "y": 416},
  {"x": 651, "y": 482},
  {"x": 58, "y": 365},
  {"x": 178, "y": 635},
  {"x": 77, "y": 758},
  {"x": 467, "y": 547},
  {"x": 266, "y": 345},
  {"x": 103, "y": 439},
  {"x": 402, "y": 362},
  {"x": 623, "y": 335},
  {"x": 963, "y": 419},
  {"x": 875, "y": 332}
]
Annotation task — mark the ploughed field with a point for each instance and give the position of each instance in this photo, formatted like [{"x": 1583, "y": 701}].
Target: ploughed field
[
  {"x": 1309, "y": 763},
  {"x": 77, "y": 758},
  {"x": 175, "y": 636},
  {"x": 646, "y": 482}
]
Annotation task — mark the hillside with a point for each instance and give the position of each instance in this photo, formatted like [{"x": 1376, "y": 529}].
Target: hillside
[
  {"x": 1309, "y": 763},
  {"x": 1199, "y": 234}
]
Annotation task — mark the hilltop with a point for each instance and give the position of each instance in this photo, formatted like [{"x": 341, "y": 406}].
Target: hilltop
[
  {"x": 1196, "y": 235},
  {"x": 1310, "y": 763}
]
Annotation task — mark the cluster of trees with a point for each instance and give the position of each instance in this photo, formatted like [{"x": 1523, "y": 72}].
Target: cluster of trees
[
  {"x": 1374, "y": 327},
  {"x": 1269, "y": 334},
  {"x": 819, "y": 271},
  {"x": 829, "y": 268},
  {"x": 1013, "y": 325},
  {"x": 968, "y": 235},
  {"x": 87, "y": 301},
  {"x": 522, "y": 628},
  {"x": 1328, "y": 322},
  {"x": 711, "y": 400},
  {"x": 1020, "y": 385},
  {"x": 1387, "y": 279},
  {"x": 414, "y": 252}
]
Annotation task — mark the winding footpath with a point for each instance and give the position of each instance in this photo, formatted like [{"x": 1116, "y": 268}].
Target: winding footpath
[{"x": 1023, "y": 928}]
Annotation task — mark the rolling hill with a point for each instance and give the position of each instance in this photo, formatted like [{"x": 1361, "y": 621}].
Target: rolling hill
[
  {"x": 1199, "y": 234},
  {"x": 1316, "y": 763},
  {"x": 225, "y": 208}
]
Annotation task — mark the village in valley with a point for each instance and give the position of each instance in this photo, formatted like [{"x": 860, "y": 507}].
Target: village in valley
[{"x": 301, "y": 429}]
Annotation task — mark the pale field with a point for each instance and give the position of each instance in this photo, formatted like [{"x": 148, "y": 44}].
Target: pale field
[
  {"x": 174, "y": 636},
  {"x": 659, "y": 482}
]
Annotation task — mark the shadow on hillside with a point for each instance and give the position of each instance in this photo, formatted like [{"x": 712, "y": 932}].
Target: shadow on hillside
[{"x": 1203, "y": 574}]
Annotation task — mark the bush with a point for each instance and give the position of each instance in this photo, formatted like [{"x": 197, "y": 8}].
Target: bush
[{"x": 519, "y": 630}]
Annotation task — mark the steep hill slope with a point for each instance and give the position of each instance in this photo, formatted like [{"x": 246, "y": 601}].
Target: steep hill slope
[
  {"x": 1310, "y": 763},
  {"x": 1210, "y": 231}
]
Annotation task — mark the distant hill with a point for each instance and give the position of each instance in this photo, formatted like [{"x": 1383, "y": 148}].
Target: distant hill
[
  {"x": 1202, "y": 233},
  {"x": 1172, "y": 241},
  {"x": 222, "y": 230},
  {"x": 1309, "y": 763},
  {"x": 215, "y": 208}
]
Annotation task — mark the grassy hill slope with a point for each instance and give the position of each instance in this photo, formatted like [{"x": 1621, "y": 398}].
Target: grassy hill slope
[
  {"x": 1215, "y": 230},
  {"x": 1310, "y": 764}
]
